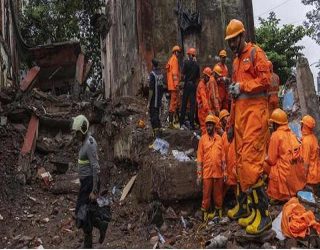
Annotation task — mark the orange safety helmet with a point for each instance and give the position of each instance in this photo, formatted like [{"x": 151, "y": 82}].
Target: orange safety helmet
[
  {"x": 279, "y": 116},
  {"x": 217, "y": 69},
  {"x": 191, "y": 51},
  {"x": 207, "y": 71},
  {"x": 234, "y": 28},
  {"x": 223, "y": 113},
  {"x": 223, "y": 53},
  {"x": 308, "y": 121},
  {"x": 176, "y": 48},
  {"x": 212, "y": 118}
]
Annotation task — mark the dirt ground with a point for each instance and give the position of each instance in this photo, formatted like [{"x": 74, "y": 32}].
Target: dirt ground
[{"x": 32, "y": 216}]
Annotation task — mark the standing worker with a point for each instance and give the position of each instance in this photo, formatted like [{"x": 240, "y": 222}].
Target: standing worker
[
  {"x": 310, "y": 151},
  {"x": 191, "y": 73},
  {"x": 210, "y": 167},
  {"x": 273, "y": 90},
  {"x": 173, "y": 79},
  {"x": 222, "y": 63},
  {"x": 249, "y": 124},
  {"x": 203, "y": 98},
  {"x": 156, "y": 88},
  {"x": 89, "y": 171},
  {"x": 283, "y": 143},
  {"x": 223, "y": 84}
]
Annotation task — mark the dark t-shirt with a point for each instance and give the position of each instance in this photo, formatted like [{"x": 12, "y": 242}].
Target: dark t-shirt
[
  {"x": 191, "y": 71},
  {"x": 156, "y": 84}
]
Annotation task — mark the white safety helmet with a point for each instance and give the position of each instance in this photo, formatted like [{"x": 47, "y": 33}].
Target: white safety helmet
[{"x": 78, "y": 123}]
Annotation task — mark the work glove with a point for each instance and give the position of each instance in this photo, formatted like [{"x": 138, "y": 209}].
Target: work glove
[
  {"x": 230, "y": 134},
  {"x": 234, "y": 90}
]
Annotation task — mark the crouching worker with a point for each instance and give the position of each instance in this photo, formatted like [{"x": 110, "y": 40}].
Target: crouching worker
[
  {"x": 87, "y": 214},
  {"x": 210, "y": 164},
  {"x": 310, "y": 151},
  {"x": 283, "y": 144}
]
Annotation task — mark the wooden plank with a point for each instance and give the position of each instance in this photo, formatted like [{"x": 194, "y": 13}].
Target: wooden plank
[
  {"x": 30, "y": 78},
  {"x": 31, "y": 136},
  {"x": 128, "y": 187},
  {"x": 80, "y": 68}
]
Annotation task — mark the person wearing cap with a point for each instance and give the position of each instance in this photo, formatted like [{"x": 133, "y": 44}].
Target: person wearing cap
[
  {"x": 89, "y": 171},
  {"x": 173, "y": 80},
  {"x": 191, "y": 74},
  {"x": 222, "y": 63},
  {"x": 283, "y": 143},
  {"x": 310, "y": 151},
  {"x": 249, "y": 125},
  {"x": 210, "y": 167},
  {"x": 156, "y": 89}
]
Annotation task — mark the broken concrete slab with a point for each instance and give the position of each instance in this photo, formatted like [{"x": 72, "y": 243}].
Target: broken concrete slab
[
  {"x": 166, "y": 179},
  {"x": 309, "y": 102}
]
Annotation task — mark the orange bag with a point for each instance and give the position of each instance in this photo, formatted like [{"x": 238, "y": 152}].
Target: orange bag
[{"x": 296, "y": 179}]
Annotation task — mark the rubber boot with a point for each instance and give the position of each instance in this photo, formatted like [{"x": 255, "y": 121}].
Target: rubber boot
[
  {"x": 205, "y": 216},
  {"x": 218, "y": 212},
  {"x": 244, "y": 222},
  {"x": 87, "y": 240},
  {"x": 241, "y": 209},
  {"x": 262, "y": 220},
  {"x": 171, "y": 120}
]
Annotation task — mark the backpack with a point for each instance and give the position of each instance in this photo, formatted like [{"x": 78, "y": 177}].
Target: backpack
[{"x": 296, "y": 179}]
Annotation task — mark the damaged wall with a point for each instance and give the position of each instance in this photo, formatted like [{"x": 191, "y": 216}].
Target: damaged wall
[
  {"x": 9, "y": 55},
  {"x": 143, "y": 29}
]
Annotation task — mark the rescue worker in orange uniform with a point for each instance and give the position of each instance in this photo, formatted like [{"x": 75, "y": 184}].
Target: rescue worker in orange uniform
[
  {"x": 229, "y": 151},
  {"x": 310, "y": 151},
  {"x": 204, "y": 98},
  {"x": 214, "y": 95},
  {"x": 210, "y": 167},
  {"x": 222, "y": 83},
  {"x": 273, "y": 90},
  {"x": 249, "y": 126},
  {"x": 222, "y": 63},
  {"x": 282, "y": 142},
  {"x": 173, "y": 79}
]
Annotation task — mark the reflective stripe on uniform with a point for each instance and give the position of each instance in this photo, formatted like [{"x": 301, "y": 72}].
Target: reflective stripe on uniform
[
  {"x": 83, "y": 162},
  {"x": 249, "y": 96}
]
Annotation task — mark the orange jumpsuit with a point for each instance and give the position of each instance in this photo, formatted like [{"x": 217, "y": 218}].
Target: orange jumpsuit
[
  {"x": 210, "y": 156},
  {"x": 282, "y": 142},
  {"x": 204, "y": 105},
  {"x": 223, "y": 94},
  {"x": 250, "y": 113},
  {"x": 173, "y": 79},
  {"x": 214, "y": 95},
  {"x": 273, "y": 93},
  {"x": 310, "y": 151}
]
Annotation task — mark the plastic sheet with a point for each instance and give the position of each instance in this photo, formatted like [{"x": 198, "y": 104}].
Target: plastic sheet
[
  {"x": 295, "y": 126},
  {"x": 276, "y": 226},
  {"x": 288, "y": 100},
  {"x": 161, "y": 145},
  {"x": 180, "y": 156},
  {"x": 306, "y": 196}
]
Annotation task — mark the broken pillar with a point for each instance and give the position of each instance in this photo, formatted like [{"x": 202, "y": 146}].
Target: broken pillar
[
  {"x": 309, "y": 102},
  {"x": 26, "y": 154}
]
